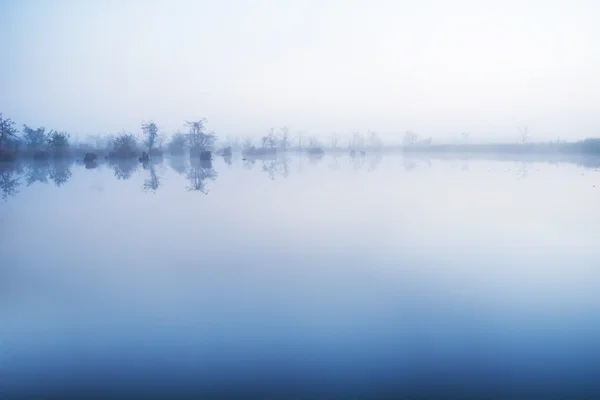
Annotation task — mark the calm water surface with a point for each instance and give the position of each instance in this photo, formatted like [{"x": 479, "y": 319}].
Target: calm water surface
[{"x": 365, "y": 278}]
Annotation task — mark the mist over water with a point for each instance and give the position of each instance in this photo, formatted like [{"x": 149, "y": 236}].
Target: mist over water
[{"x": 364, "y": 277}]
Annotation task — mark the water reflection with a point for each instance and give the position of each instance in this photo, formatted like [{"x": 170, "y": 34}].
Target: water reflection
[
  {"x": 37, "y": 172},
  {"x": 200, "y": 172},
  {"x": 374, "y": 160},
  {"x": 15, "y": 176},
  {"x": 9, "y": 180},
  {"x": 123, "y": 169},
  {"x": 60, "y": 172},
  {"x": 276, "y": 167},
  {"x": 179, "y": 165},
  {"x": 152, "y": 183}
]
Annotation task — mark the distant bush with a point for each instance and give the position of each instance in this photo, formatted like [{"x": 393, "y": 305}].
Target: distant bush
[
  {"x": 178, "y": 144},
  {"x": 124, "y": 146},
  {"x": 58, "y": 143}
]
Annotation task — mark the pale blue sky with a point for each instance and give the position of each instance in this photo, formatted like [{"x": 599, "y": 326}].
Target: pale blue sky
[{"x": 435, "y": 67}]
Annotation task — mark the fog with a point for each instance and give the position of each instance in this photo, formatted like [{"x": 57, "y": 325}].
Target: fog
[{"x": 435, "y": 67}]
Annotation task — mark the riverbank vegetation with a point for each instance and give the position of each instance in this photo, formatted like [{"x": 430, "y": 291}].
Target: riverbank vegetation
[{"x": 39, "y": 143}]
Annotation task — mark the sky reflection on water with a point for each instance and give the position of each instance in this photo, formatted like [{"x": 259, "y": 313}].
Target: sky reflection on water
[{"x": 327, "y": 277}]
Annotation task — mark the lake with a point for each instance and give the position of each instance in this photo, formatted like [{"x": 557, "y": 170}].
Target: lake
[{"x": 374, "y": 277}]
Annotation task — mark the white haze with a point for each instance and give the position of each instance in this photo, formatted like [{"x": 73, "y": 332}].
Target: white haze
[{"x": 436, "y": 67}]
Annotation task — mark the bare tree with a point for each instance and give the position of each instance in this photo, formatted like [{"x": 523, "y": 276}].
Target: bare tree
[
  {"x": 269, "y": 141},
  {"x": 198, "y": 139}
]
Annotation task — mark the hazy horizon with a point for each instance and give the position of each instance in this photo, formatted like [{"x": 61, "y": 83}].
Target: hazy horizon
[{"x": 433, "y": 67}]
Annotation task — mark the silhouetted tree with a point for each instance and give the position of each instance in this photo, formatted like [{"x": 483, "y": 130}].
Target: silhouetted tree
[
  {"x": 177, "y": 144},
  {"x": 124, "y": 146},
  {"x": 58, "y": 143},
  {"x": 269, "y": 141},
  {"x": 198, "y": 139},
  {"x": 8, "y": 138},
  {"x": 36, "y": 140},
  {"x": 150, "y": 132}
]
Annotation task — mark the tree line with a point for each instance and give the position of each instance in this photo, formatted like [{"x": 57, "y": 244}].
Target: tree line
[{"x": 40, "y": 143}]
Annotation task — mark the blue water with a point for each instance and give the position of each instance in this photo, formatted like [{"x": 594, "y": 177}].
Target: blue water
[{"x": 381, "y": 277}]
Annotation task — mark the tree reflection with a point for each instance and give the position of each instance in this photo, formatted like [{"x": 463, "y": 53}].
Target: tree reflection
[
  {"x": 178, "y": 164},
  {"x": 152, "y": 183},
  {"x": 357, "y": 159},
  {"x": 9, "y": 181},
  {"x": 123, "y": 168},
  {"x": 315, "y": 157},
  {"x": 276, "y": 167},
  {"x": 37, "y": 171},
  {"x": 200, "y": 172},
  {"x": 374, "y": 160},
  {"x": 60, "y": 172},
  {"x": 335, "y": 163}
]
